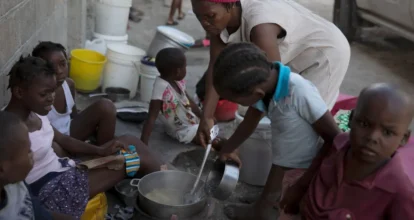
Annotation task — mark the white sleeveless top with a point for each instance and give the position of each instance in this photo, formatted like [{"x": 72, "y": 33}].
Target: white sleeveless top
[
  {"x": 44, "y": 157},
  {"x": 61, "y": 121}
]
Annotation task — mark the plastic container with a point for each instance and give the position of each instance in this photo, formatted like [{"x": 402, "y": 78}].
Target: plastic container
[
  {"x": 112, "y": 17},
  {"x": 148, "y": 67},
  {"x": 96, "y": 208},
  {"x": 97, "y": 45},
  {"x": 108, "y": 39},
  {"x": 121, "y": 69},
  {"x": 256, "y": 154},
  {"x": 146, "y": 86},
  {"x": 225, "y": 110},
  {"x": 86, "y": 68},
  {"x": 344, "y": 102},
  {"x": 169, "y": 37}
]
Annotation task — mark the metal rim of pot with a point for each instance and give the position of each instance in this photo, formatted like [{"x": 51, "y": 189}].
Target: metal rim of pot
[{"x": 155, "y": 209}]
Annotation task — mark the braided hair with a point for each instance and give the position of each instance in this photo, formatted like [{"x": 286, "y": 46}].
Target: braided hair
[
  {"x": 43, "y": 49},
  {"x": 239, "y": 68},
  {"x": 28, "y": 68}
]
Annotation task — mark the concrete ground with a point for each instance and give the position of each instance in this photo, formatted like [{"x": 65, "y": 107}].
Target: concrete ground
[{"x": 379, "y": 56}]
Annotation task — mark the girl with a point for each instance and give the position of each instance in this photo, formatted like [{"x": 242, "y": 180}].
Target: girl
[
  {"x": 310, "y": 45},
  {"x": 98, "y": 119},
  {"x": 299, "y": 119},
  {"x": 59, "y": 185},
  {"x": 179, "y": 114}
]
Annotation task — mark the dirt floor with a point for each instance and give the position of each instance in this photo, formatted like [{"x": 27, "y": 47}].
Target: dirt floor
[{"x": 378, "y": 56}]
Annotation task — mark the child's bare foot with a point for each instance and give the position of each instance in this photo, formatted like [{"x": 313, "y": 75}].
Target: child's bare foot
[{"x": 248, "y": 212}]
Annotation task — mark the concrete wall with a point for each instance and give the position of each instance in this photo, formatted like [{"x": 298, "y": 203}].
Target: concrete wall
[{"x": 23, "y": 23}]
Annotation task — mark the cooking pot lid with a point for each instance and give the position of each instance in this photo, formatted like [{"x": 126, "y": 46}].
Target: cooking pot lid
[{"x": 177, "y": 35}]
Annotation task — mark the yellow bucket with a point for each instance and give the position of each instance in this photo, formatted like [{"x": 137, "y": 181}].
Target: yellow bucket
[
  {"x": 96, "y": 208},
  {"x": 86, "y": 68}
]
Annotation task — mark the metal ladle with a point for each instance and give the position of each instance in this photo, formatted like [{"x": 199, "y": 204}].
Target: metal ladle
[{"x": 213, "y": 134}]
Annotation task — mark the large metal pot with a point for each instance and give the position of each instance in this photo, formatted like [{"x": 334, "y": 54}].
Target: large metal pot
[
  {"x": 171, "y": 179},
  {"x": 166, "y": 37}
]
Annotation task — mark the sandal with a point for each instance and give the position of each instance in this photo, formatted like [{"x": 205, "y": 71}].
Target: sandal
[{"x": 174, "y": 23}]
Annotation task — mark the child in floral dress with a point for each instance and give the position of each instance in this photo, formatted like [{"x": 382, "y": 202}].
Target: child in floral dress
[{"x": 170, "y": 101}]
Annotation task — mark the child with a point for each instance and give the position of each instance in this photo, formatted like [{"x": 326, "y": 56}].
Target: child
[
  {"x": 98, "y": 119},
  {"x": 299, "y": 117},
  {"x": 369, "y": 174},
  {"x": 179, "y": 114},
  {"x": 57, "y": 182},
  {"x": 16, "y": 161}
]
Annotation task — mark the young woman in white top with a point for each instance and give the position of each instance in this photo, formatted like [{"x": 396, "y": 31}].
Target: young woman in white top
[
  {"x": 286, "y": 31},
  {"x": 98, "y": 120},
  {"x": 56, "y": 181}
]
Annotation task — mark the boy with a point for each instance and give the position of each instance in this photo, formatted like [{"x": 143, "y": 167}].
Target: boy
[
  {"x": 369, "y": 174},
  {"x": 98, "y": 119},
  {"x": 299, "y": 120},
  {"x": 16, "y": 161}
]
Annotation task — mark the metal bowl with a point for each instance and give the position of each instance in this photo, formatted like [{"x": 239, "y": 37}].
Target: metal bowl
[
  {"x": 222, "y": 180},
  {"x": 127, "y": 193}
]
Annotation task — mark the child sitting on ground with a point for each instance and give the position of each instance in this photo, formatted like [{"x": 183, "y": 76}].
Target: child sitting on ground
[
  {"x": 58, "y": 182},
  {"x": 369, "y": 174},
  {"x": 16, "y": 161},
  {"x": 179, "y": 114},
  {"x": 299, "y": 117},
  {"x": 98, "y": 119}
]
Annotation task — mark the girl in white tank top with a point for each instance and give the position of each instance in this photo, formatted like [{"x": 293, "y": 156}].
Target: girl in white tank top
[{"x": 61, "y": 121}]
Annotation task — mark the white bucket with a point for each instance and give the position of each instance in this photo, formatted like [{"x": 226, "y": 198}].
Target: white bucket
[
  {"x": 256, "y": 154},
  {"x": 108, "y": 39},
  {"x": 148, "y": 67},
  {"x": 169, "y": 37},
  {"x": 112, "y": 17},
  {"x": 97, "y": 45},
  {"x": 146, "y": 86},
  {"x": 121, "y": 69}
]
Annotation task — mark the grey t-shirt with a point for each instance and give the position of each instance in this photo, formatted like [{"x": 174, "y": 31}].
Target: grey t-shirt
[{"x": 294, "y": 141}]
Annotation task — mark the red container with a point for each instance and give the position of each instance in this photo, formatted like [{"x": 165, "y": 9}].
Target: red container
[
  {"x": 344, "y": 102},
  {"x": 225, "y": 110}
]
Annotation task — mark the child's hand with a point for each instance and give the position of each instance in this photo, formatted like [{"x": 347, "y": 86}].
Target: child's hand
[
  {"x": 111, "y": 147},
  {"x": 234, "y": 156},
  {"x": 204, "y": 129},
  {"x": 290, "y": 202}
]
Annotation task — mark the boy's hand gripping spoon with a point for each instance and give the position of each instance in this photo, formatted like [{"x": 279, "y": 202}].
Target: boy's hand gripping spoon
[{"x": 188, "y": 198}]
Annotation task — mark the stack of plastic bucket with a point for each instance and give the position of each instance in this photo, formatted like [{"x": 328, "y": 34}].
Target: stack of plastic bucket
[
  {"x": 121, "y": 69},
  {"x": 148, "y": 74},
  {"x": 111, "y": 20}
]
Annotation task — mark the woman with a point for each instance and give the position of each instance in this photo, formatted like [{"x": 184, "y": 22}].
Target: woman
[
  {"x": 286, "y": 32},
  {"x": 57, "y": 182}
]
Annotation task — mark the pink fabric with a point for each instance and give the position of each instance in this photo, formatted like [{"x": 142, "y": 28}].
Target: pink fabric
[
  {"x": 345, "y": 102},
  {"x": 222, "y": 1},
  {"x": 290, "y": 178},
  {"x": 386, "y": 194}
]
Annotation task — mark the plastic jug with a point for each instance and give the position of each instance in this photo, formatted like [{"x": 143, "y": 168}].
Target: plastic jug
[{"x": 97, "y": 45}]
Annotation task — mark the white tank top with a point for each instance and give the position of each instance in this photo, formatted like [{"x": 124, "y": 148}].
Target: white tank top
[
  {"x": 44, "y": 157},
  {"x": 61, "y": 121}
]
